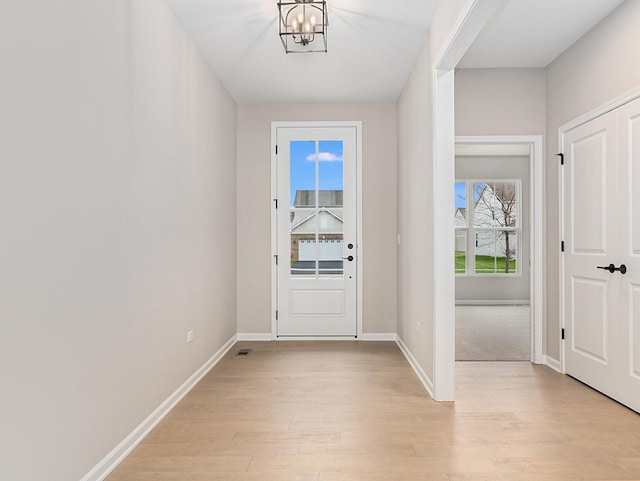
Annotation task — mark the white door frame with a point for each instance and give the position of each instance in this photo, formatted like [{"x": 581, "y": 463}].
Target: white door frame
[
  {"x": 472, "y": 19},
  {"x": 562, "y": 130},
  {"x": 274, "y": 220},
  {"x": 536, "y": 196}
]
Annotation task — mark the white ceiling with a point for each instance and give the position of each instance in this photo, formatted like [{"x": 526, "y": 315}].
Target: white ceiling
[
  {"x": 532, "y": 33},
  {"x": 372, "y": 44}
]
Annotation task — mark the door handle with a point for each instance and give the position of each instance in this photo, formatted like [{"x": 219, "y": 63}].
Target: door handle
[
  {"x": 349, "y": 258},
  {"x": 612, "y": 268}
]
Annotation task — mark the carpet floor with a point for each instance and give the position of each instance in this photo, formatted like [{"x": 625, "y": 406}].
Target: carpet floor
[{"x": 493, "y": 333}]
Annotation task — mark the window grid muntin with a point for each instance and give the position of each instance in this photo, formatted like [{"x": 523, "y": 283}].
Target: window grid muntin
[{"x": 471, "y": 230}]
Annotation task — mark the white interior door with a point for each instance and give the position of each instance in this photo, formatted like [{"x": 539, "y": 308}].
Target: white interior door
[
  {"x": 590, "y": 210},
  {"x": 629, "y": 215},
  {"x": 601, "y": 229},
  {"x": 316, "y": 231}
]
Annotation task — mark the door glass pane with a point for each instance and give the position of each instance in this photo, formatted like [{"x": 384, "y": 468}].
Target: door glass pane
[
  {"x": 330, "y": 213},
  {"x": 460, "y": 214},
  {"x": 316, "y": 193},
  {"x": 461, "y": 204},
  {"x": 495, "y": 204},
  {"x": 303, "y": 206},
  {"x": 509, "y": 241},
  {"x": 495, "y": 252},
  {"x": 461, "y": 251}
]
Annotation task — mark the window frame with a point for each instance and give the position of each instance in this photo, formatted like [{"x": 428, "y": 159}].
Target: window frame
[{"x": 471, "y": 230}]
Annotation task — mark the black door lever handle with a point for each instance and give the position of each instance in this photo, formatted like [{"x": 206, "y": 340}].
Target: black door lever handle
[{"x": 612, "y": 268}]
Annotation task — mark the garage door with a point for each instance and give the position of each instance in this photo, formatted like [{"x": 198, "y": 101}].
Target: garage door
[{"x": 327, "y": 250}]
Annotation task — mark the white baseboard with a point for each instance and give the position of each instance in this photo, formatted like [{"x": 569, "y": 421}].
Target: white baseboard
[
  {"x": 315, "y": 338},
  {"x": 248, "y": 336},
  {"x": 553, "y": 364},
  {"x": 522, "y": 302},
  {"x": 378, "y": 336},
  {"x": 101, "y": 470},
  {"x": 424, "y": 379}
]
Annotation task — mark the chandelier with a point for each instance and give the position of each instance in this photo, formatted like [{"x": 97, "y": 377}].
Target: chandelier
[{"x": 303, "y": 25}]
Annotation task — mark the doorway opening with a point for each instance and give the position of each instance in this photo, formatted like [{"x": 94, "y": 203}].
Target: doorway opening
[{"x": 498, "y": 248}]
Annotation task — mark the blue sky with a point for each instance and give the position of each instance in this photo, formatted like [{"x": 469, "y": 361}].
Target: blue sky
[
  {"x": 302, "y": 160},
  {"x": 302, "y": 163},
  {"x": 460, "y": 195}
]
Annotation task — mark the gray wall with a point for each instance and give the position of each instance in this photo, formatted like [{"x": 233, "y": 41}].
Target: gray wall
[
  {"x": 514, "y": 287},
  {"x": 500, "y": 101},
  {"x": 598, "y": 68},
  {"x": 378, "y": 209},
  {"x": 117, "y": 200},
  {"x": 415, "y": 214},
  {"x": 415, "y": 196}
]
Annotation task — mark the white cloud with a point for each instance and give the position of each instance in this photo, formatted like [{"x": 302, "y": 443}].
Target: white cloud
[{"x": 325, "y": 157}]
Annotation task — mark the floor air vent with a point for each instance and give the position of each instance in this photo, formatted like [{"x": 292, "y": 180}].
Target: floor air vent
[{"x": 244, "y": 352}]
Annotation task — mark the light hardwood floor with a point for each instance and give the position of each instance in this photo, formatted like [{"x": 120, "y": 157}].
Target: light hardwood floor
[{"x": 355, "y": 411}]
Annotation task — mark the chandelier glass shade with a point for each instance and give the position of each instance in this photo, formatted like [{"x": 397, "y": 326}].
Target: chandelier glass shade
[{"x": 303, "y": 25}]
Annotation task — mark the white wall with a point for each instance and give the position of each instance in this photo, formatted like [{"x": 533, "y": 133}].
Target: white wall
[
  {"x": 415, "y": 215},
  {"x": 117, "y": 200},
  {"x": 598, "y": 68},
  {"x": 500, "y": 101},
  {"x": 378, "y": 209}
]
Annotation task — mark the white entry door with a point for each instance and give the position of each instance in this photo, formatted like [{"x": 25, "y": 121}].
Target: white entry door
[
  {"x": 602, "y": 251},
  {"x": 316, "y": 231}
]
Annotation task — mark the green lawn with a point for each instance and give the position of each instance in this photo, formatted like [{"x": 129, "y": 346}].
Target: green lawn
[{"x": 484, "y": 264}]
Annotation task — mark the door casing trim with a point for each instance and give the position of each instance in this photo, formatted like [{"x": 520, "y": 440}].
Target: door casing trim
[{"x": 274, "y": 218}]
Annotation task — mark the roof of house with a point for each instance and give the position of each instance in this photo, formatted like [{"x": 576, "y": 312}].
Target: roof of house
[
  {"x": 313, "y": 215},
  {"x": 504, "y": 191},
  {"x": 326, "y": 198}
]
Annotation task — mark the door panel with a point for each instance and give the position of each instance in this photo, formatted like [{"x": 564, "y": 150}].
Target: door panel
[
  {"x": 634, "y": 327},
  {"x": 589, "y": 205},
  {"x": 629, "y": 215},
  {"x": 316, "y": 302},
  {"x": 589, "y": 189},
  {"x": 590, "y": 319},
  {"x": 316, "y": 231},
  {"x": 630, "y": 170}
]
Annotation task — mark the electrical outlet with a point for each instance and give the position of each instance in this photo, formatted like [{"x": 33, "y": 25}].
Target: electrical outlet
[
  {"x": 398, "y": 239},
  {"x": 189, "y": 337},
  {"x": 418, "y": 326}
]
